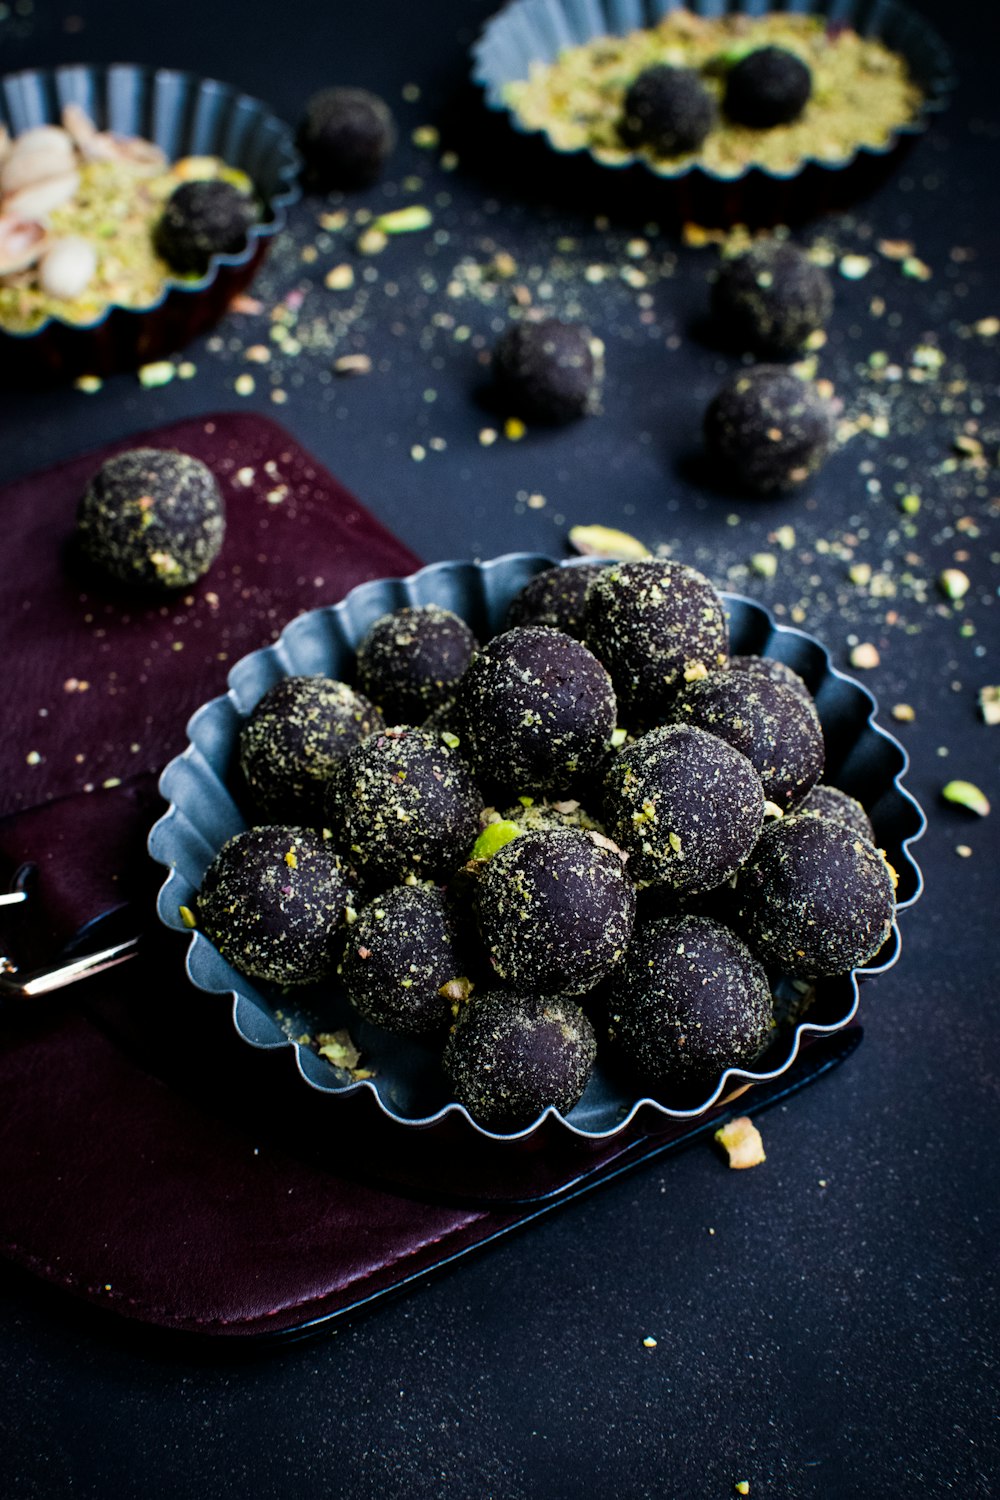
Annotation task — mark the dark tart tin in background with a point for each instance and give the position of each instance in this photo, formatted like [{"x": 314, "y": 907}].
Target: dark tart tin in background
[
  {"x": 185, "y": 116},
  {"x": 531, "y": 31},
  {"x": 409, "y": 1092}
]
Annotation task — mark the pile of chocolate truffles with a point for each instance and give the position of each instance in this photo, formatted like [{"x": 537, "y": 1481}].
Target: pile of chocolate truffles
[{"x": 595, "y": 834}]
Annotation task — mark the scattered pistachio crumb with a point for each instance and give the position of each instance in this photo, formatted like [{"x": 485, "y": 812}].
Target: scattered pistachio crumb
[
  {"x": 965, "y": 794},
  {"x": 353, "y": 364},
  {"x": 488, "y": 436},
  {"x": 404, "y": 220},
  {"x": 606, "y": 541},
  {"x": 854, "y": 267},
  {"x": 187, "y": 916},
  {"x": 865, "y": 656},
  {"x": 742, "y": 1143},
  {"x": 785, "y": 537},
  {"x": 160, "y": 372},
  {"x": 514, "y": 429},
  {"x": 649, "y": 1342},
  {"x": 244, "y": 385},
  {"x": 339, "y": 278},
  {"x": 765, "y": 564},
  {"x": 963, "y": 850},
  {"x": 742, "y": 1486},
  {"x": 88, "y": 383},
  {"x": 904, "y": 713},
  {"x": 910, "y": 504},
  {"x": 989, "y": 704},
  {"x": 953, "y": 583}
]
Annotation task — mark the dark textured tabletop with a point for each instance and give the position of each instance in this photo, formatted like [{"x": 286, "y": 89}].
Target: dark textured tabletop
[{"x": 826, "y": 1324}]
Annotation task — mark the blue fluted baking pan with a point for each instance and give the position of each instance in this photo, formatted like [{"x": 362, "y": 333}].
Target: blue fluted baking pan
[
  {"x": 409, "y": 1090},
  {"x": 185, "y": 116}
]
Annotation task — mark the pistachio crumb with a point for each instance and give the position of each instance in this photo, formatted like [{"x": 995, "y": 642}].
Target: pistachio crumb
[{"x": 742, "y": 1143}]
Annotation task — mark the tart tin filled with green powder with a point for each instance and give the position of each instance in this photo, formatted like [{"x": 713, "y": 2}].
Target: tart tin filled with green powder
[{"x": 562, "y": 73}]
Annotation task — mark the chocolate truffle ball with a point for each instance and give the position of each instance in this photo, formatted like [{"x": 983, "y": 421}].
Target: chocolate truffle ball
[
  {"x": 510, "y": 1057},
  {"x": 768, "y": 87},
  {"x": 345, "y": 137},
  {"x": 768, "y": 430},
  {"x": 299, "y": 733},
  {"x": 152, "y": 519},
  {"x": 771, "y": 298},
  {"x": 411, "y": 660},
  {"x": 830, "y": 802},
  {"x": 536, "y": 711},
  {"x": 775, "y": 728},
  {"x": 202, "y": 219},
  {"x": 686, "y": 806},
  {"x": 814, "y": 899},
  {"x": 554, "y": 598},
  {"x": 650, "y": 623},
  {"x": 404, "y": 803},
  {"x": 545, "y": 372},
  {"x": 689, "y": 1001},
  {"x": 272, "y": 901},
  {"x": 773, "y": 670},
  {"x": 555, "y": 911},
  {"x": 399, "y": 954},
  {"x": 669, "y": 110}
]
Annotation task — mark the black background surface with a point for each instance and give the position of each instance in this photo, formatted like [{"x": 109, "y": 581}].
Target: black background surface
[{"x": 825, "y": 1325}]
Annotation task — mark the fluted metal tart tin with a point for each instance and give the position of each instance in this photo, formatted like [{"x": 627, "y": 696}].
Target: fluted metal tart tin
[
  {"x": 185, "y": 116},
  {"x": 409, "y": 1091},
  {"x": 532, "y": 31}
]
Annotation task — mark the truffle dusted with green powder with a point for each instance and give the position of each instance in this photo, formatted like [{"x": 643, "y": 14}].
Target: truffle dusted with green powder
[
  {"x": 654, "y": 625},
  {"x": 401, "y": 966},
  {"x": 767, "y": 429},
  {"x": 535, "y": 712},
  {"x": 300, "y": 732},
  {"x": 773, "y": 670},
  {"x": 404, "y": 804},
  {"x": 555, "y": 911},
  {"x": 545, "y": 372},
  {"x": 771, "y": 299},
  {"x": 152, "y": 518},
  {"x": 769, "y": 86},
  {"x": 815, "y": 899},
  {"x": 689, "y": 1001},
  {"x": 201, "y": 219},
  {"x": 830, "y": 802},
  {"x": 410, "y": 661},
  {"x": 272, "y": 902},
  {"x": 510, "y": 1057},
  {"x": 776, "y": 728},
  {"x": 688, "y": 808},
  {"x": 555, "y": 598}
]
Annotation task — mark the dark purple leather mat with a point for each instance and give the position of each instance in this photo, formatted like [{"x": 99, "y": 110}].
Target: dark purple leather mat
[{"x": 150, "y": 1162}]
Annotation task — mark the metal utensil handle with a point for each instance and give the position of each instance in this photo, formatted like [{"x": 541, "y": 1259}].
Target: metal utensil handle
[{"x": 58, "y": 976}]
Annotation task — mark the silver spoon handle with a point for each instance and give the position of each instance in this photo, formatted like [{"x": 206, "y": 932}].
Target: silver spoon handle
[{"x": 57, "y": 976}]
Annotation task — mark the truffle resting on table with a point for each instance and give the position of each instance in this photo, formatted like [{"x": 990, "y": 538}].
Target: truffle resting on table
[
  {"x": 510, "y": 1057},
  {"x": 771, "y": 298},
  {"x": 653, "y": 624},
  {"x": 404, "y": 803},
  {"x": 545, "y": 371},
  {"x": 272, "y": 901},
  {"x": 152, "y": 519},
  {"x": 294, "y": 740},
  {"x": 689, "y": 1001},
  {"x": 535, "y": 712},
  {"x": 345, "y": 137},
  {"x": 555, "y": 911},
  {"x": 411, "y": 660},
  {"x": 776, "y": 728},
  {"x": 815, "y": 899},
  {"x": 767, "y": 429},
  {"x": 398, "y": 957},
  {"x": 687, "y": 806}
]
